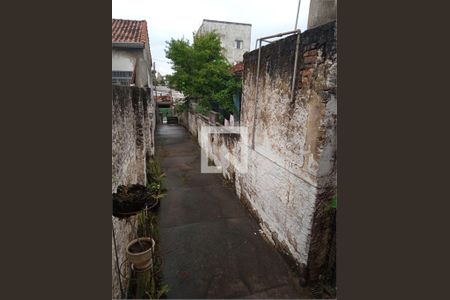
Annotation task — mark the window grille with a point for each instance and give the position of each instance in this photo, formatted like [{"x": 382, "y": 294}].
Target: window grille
[{"x": 122, "y": 77}]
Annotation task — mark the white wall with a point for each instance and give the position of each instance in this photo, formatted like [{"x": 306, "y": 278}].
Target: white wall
[
  {"x": 229, "y": 33},
  {"x": 124, "y": 59}
]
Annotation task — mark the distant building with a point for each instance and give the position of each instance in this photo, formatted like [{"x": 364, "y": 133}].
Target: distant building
[
  {"x": 167, "y": 94},
  {"x": 235, "y": 37},
  {"x": 131, "y": 57}
]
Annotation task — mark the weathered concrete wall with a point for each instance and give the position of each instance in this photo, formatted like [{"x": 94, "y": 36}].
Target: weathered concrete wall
[
  {"x": 295, "y": 142},
  {"x": 321, "y": 12},
  {"x": 133, "y": 126},
  {"x": 291, "y": 173},
  {"x": 125, "y": 231},
  {"x": 230, "y": 32}
]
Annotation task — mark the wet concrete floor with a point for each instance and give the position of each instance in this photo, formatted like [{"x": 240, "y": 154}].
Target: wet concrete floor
[{"x": 210, "y": 245}]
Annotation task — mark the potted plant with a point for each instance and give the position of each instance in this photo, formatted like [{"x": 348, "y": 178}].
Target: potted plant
[
  {"x": 140, "y": 253},
  {"x": 131, "y": 199},
  {"x": 155, "y": 181},
  {"x": 155, "y": 191}
]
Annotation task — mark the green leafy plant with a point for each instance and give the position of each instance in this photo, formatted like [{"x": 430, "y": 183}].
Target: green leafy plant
[
  {"x": 142, "y": 219},
  {"x": 154, "y": 172},
  {"x": 181, "y": 106},
  {"x": 155, "y": 180},
  {"x": 203, "y": 107},
  {"x": 149, "y": 285},
  {"x": 333, "y": 203},
  {"x": 202, "y": 72}
]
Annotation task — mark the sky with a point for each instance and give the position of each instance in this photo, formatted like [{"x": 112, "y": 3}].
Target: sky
[{"x": 176, "y": 19}]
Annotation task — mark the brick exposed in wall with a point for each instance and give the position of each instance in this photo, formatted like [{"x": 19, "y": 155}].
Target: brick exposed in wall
[{"x": 133, "y": 125}]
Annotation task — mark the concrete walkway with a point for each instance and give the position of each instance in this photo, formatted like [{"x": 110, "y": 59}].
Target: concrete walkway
[{"x": 210, "y": 245}]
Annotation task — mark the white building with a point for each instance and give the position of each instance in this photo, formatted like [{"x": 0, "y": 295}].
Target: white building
[
  {"x": 235, "y": 37},
  {"x": 131, "y": 58}
]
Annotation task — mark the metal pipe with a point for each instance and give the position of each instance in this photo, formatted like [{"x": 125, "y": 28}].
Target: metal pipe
[
  {"x": 298, "y": 10},
  {"x": 256, "y": 95},
  {"x": 260, "y": 40},
  {"x": 295, "y": 66},
  {"x": 276, "y": 35}
]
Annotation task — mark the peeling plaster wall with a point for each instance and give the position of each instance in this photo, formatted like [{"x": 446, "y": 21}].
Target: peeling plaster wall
[
  {"x": 133, "y": 126},
  {"x": 291, "y": 173},
  {"x": 295, "y": 143}
]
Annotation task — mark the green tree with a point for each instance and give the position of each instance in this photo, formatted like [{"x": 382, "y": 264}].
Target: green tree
[{"x": 202, "y": 72}]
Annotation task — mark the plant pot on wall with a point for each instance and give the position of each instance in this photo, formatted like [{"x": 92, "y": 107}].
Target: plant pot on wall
[
  {"x": 131, "y": 199},
  {"x": 140, "y": 252}
]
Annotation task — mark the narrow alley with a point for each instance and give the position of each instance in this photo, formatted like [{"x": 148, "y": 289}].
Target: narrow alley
[{"x": 210, "y": 245}]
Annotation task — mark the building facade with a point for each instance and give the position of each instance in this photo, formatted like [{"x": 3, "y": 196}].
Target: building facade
[
  {"x": 235, "y": 37},
  {"x": 131, "y": 57}
]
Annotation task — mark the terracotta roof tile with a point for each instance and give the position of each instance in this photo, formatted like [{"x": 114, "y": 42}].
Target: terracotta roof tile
[
  {"x": 237, "y": 68},
  {"x": 129, "y": 31}
]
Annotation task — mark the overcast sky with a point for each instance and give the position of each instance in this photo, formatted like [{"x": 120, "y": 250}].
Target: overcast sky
[{"x": 168, "y": 19}]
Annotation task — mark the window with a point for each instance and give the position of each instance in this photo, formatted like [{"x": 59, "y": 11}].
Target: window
[
  {"x": 239, "y": 44},
  {"x": 121, "y": 77}
]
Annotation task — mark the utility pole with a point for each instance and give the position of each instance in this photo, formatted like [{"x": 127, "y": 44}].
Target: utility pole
[
  {"x": 156, "y": 94},
  {"x": 298, "y": 10},
  {"x": 154, "y": 83}
]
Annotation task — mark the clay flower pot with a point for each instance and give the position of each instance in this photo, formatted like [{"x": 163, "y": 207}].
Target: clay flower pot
[{"x": 139, "y": 252}]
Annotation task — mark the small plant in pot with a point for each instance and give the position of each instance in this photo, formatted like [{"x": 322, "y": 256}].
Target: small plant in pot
[
  {"x": 155, "y": 178},
  {"x": 155, "y": 191},
  {"x": 131, "y": 199},
  {"x": 154, "y": 172},
  {"x": 140, "y": 251}
]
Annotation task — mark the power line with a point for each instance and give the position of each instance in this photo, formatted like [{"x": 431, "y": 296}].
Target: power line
[{"x": 163, "y": 60}]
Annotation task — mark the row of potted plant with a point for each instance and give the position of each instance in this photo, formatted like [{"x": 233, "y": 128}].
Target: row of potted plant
[{"x": 139, "y": 251}]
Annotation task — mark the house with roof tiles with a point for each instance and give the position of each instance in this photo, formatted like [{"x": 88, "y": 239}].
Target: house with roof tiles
[{"x": 131, "y": 56}]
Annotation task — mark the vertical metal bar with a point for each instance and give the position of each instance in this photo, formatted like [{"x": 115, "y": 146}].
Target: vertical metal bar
[
  {"x": 294, "y": 76},
  {"x": 256, "y": 96},
  {"x": 295, "y": 66},
  {"x": 298, "y": 11}
]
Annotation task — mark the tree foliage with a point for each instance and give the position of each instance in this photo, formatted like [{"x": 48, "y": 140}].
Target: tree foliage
[{"x": 201, "y": 71}]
